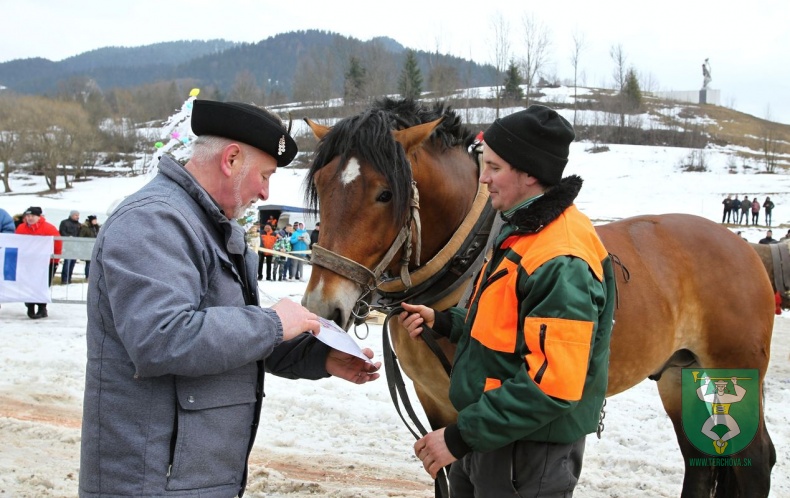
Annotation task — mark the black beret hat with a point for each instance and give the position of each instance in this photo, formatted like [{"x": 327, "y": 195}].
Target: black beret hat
[
  {"x": 33, "y": 210},
  {"x": 246, "y": 123},
  {"x": 91, "y": 217},
  {"x": 535, "y": 140}
]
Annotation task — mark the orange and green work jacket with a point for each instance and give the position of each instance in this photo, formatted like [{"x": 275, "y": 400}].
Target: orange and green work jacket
[{"x": 533, "y": 345}]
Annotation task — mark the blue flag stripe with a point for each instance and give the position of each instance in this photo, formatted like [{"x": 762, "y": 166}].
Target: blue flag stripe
[{"x": 9, "y": 264}]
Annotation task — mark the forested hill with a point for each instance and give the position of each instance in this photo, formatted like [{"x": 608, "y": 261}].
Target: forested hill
[
  {"x": 275, "y": 64},
  {"x": 166, "y": 53},
  {"x": 121, "y": 67}
]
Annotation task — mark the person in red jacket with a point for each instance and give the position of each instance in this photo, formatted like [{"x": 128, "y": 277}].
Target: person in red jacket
[{"x": 35, "y": 224}]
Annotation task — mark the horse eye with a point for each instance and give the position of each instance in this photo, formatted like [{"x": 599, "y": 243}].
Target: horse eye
[{"x": 385, "y": 196}]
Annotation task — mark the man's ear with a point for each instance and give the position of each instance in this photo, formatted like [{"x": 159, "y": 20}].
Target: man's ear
[
  {"x": 232, "y": 156},
  {"x": 530, "y": 180}
]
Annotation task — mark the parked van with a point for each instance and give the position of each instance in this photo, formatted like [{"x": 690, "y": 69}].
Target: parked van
[{"x": 287, "y": 214}]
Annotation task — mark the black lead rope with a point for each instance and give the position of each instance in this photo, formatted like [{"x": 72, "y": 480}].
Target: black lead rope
[
  {"x": 397, "y": 387},
  {"x": 430, "y": 341}
]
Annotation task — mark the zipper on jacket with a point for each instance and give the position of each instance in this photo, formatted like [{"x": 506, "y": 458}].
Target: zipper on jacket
[
  {"x": 493, "y": 278},
  {"x": 513, "y": 470},
  {"x": 542, "y": 369},
  {"x": 483, "y": 286},
  {"x": 173, "y": 440}
]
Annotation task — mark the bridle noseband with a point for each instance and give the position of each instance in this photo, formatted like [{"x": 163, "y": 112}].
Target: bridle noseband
[{"x": 409, "y": 236}]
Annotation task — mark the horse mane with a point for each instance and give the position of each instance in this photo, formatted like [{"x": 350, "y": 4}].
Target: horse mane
[
  {"x": 368, "y": 137},
  {"x": 407, "y": 113}
]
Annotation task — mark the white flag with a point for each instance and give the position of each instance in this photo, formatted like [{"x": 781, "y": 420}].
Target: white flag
[{"x": 24, "y": 268}]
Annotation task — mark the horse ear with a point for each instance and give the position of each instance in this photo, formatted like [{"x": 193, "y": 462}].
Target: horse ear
[
  {"x": 318, "y": 130},
  {"x": 414, "y": 136}
]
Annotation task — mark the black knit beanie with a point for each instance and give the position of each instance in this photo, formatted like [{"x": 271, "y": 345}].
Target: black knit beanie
[{"x": 535, "y": 140}]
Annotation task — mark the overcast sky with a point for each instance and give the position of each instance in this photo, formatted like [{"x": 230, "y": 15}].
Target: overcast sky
[{"x": 747, "y": 42}]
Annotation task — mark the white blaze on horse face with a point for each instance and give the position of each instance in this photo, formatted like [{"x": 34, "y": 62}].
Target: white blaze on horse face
[{"x": 351, "y": 172}]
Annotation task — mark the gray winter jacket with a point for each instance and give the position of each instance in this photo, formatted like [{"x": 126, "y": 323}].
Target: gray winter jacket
[{"x": 177, "y": 348}]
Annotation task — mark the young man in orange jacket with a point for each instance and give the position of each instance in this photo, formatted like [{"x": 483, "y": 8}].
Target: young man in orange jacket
[{"x": 532, "y": 357}]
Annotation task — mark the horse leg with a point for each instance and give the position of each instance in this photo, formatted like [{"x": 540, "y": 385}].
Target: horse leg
[
  {"x": 753, "y": 477},
  {"x": 697, "y": 481},
  {"x": 745, "y": 344},
  {"x": 744, "y": 481}
]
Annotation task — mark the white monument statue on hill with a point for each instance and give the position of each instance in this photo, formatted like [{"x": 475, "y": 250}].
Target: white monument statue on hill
[{"x": 706, "y": 77}]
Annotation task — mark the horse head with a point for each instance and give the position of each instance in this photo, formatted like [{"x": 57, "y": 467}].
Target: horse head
[{"x": 366, "y": 179}]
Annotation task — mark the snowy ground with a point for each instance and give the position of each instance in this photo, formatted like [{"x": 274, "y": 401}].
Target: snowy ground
[{"x": 330, "y": 438}]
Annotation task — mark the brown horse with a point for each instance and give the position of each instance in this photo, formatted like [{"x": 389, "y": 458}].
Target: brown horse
[{"x": 671, "y": 312}]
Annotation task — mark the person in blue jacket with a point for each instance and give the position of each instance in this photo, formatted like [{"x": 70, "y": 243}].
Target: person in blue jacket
[
  {"x": 6, "y": 222},
  {"x": 300, "y": 241}
]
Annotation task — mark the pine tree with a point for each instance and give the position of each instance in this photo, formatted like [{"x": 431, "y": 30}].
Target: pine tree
[
  {"x": 512, "y": 90},
  {"x": 410, "y": 81},
  {"x": 631, "y": 92},
  {"x": 354, "y": 86}
]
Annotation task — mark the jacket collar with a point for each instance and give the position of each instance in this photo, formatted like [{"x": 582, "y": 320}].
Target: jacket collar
[
  {"x": 547, "y": 208},
  {"x": 173, "y": 170}
]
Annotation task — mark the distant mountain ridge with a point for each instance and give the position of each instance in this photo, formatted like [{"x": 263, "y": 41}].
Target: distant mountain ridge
[
  {"x": 167, "y": 53},
  {"x": 273, "y": 61}
]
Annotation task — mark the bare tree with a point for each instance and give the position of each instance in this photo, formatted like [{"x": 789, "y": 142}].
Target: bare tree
[
  {"x": 443, "y": 80},
  {"x": 149, "y": 102},
  {"x": 620, "y": 75},
  {"x": 11, "y": 113},
  {"x": 380, "y": 68},
  {"x": 468, "y": 92},
  {"x": 121, "y": 102},
  {"x": 314, "y": 76},
  {"x": 770, "y": 143},
  {"x": 52, "y": 137},
  {"x": 536, "y": 43},
  {"x": 579, "y": 44},
  {"x": 84, "y": 144},
  {"x": 245, "y": 89},
  {"x": 501, "y": 44},
  {"x": 617, "y": 55},
  {"x": 648, "y": 82}
]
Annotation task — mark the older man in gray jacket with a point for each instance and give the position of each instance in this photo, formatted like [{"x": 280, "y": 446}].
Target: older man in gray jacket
[{"x": 177, "y": 341}]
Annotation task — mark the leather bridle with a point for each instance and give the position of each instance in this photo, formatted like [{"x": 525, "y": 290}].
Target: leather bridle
[{"x": 409, "y": 236}]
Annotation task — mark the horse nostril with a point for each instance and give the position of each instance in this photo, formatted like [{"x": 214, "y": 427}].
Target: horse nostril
[{"x": 336, "y": 316}]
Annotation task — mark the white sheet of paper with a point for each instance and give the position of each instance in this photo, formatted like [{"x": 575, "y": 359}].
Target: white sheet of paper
[{"x": 337, "y": 338}]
